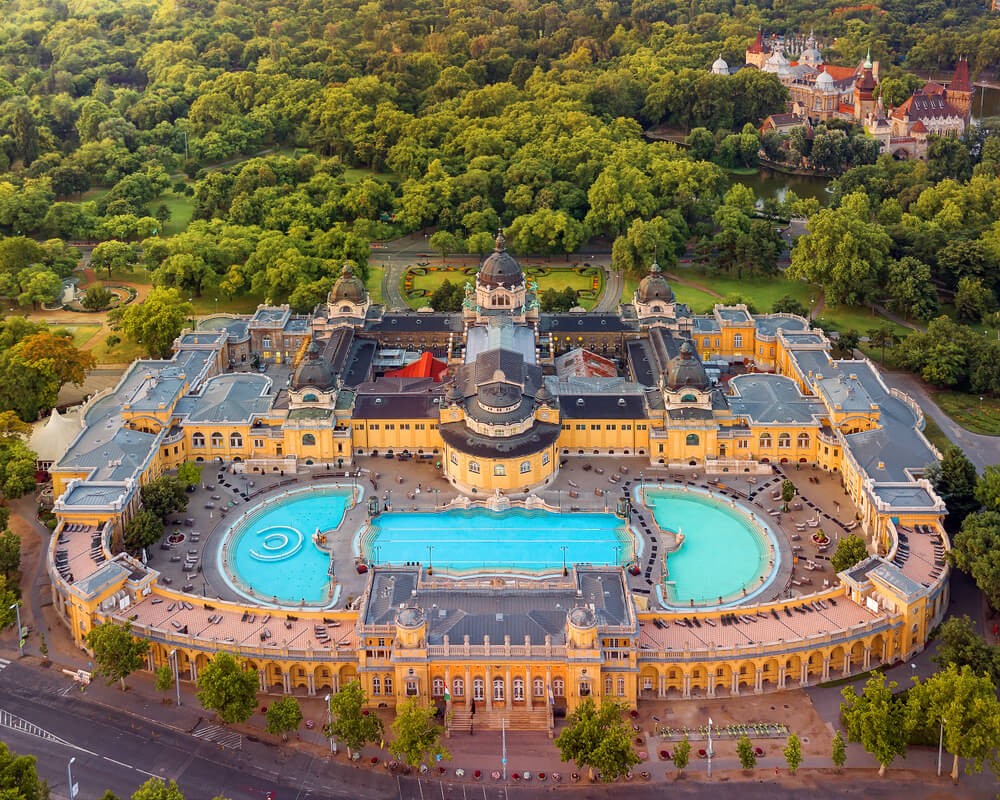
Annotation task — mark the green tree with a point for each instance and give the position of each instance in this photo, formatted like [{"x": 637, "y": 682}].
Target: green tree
[
  {"x": 189, "y": 474},
  {"x": 966, "y": 705},
  {"x": 156, "y": 789},
  {"x": 838, "y": 751},
  {"x": 112, "y": 255},
  {"x": 987, "y": 489},
  {"x": 19, "y": 778},
  {"x": 788, "y": 492},
  {"x": 786, "y": 304},
  {"x": 416, "y": 736},
  {"x": 480, "y": 243},
  {"x": 876, "y": 720},
  {"x": 850, "y": 550},
  {"x": 973, "y": 300},
  {"x": 958, "y": 643},
  {"x": 882, "y": 336},
  {"x": 157, "y": 321},
  {"x": 96, "y": 298},
  {"x": 447, "y": 297},
  {"x": 164, "y": 496},
  {"x": 117, "y": 653},
  {"x": 976, "y": 550},
  {"x": 553, "y": 301},
  {"x": 598, "y": 738},
  {"x": 143, "y": 530},
  {"x": 446, "y": 242},
  {"x": 283, "y": 716},
  {"x": 793, "y": 753},
  {"x": 164, "y": 678},
  {"x": 682, "y": 755},
  {"x": 909, "y": 289},
  {"x": 8, "y": 597},
  {"x": 228, "y": 688},
  {"x": 954, "y": 478},
  {"x": 10, "y": 553},
  {"x": 844, "y": 251},
  {"x": 350, "y": 720},
  {"x": 745, "y": 751}
]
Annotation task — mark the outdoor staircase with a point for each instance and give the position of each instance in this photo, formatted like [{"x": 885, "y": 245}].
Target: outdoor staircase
[{"x": 516, "y": 719}]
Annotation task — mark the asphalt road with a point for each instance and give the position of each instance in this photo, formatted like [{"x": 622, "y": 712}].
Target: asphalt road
[{"x": 118, "y": 751}]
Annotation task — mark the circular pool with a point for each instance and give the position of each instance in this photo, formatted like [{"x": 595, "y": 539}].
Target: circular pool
[
  {"x": 726, "y": 553},
  {"x": 270, "y": 555}
]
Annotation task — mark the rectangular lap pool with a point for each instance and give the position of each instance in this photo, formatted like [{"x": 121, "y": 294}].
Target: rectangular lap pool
[{"x": 480, "y": 541}]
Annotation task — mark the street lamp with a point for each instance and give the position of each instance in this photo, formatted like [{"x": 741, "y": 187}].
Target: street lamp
[
  {"x": 20, "y": 639},
  {"x": 940, "y": 745},
  {"x": 709, "y": 747},
  {"x": 430, "y": 559},
  {"x": 329, "y": 725},
  {"x": 177, "y": 674},
  {"x": 73, "y": 789},
  {"x": 564, "y": 548}
]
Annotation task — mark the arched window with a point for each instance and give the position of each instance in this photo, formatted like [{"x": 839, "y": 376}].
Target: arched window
[
  {"x": 310, "y": 398},
  {"x": 545, "y": 459},
  {"x": 518, "y": 689},
  {"x": 498, "y": 690},
  {"x": 437, "y": 687},
  {"x": 308, "y": 440},
  {"x": 474, "y": 467},
  {"x": 558, "y": 688},
  {"x": 765, "y": 440},
  {"x": 784, "y": 440},
  {"x": 692, "y": 439},
  {"x": 198, "y": 440},
  {"x": 216, "y": 439},
  {"x": 235, "y": 440},
  {"x": 609, "y": 685},
  {"x": 478, "y": 689},
  {"x": 689, "y": 398},
  {"x": 803, "y": 440},
  {"x": 458, "y": 687},
  {"x": 538, "y": 687},
  {"x": 525, "y": 467},
  {"x": 376, "y": 685},
  {"x": 499, "y": 469}
]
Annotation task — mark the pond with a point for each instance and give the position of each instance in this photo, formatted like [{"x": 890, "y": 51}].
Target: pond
[{"x": 768, "y": 184}]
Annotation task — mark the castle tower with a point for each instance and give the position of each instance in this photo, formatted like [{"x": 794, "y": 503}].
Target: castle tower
[
  {"x": 960, "y": 90},
  {"x": 864, "y": 91},
  {"x": 758, "y": 52}
]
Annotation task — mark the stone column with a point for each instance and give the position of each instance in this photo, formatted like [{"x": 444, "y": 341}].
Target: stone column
[
  {"x": 758, "y": 686},
  {"x": 193, "y": 667},
  {"x": 262, "y": 675},
  {"x": 508, "y": 688},
  {"x": 804, "y": 676},
  {"x": 867, "y": 661},
  {"x": 736, "y": 683},
  {"x": 826, "y": 668},
  {"x": 661, "y": 686},
  {"x": 686, "y": 686},
  {"x": 489, "y": 689},
  {"x": 781, "y": 677},
  {"x": 286, "y": 681},
  {"x": 468, "y": 686},
  {"x": 847, "y": 665},
  {"x": 711, "y": 685},
  {"x": 310, "y": 684},
  {"x": 529, "y": 689}
]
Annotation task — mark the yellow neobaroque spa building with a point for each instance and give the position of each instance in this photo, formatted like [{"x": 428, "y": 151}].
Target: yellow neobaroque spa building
[{"x": 728, "y": 393}]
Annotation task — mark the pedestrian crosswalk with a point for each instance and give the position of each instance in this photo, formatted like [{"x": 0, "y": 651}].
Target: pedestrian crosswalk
[
  {"x": 8, "y": 720},
  {"x": 220, "y": 735}
]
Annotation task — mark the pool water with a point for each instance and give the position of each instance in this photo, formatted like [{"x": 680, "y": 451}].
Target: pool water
[
  {"x": 272, "y": 550},
  {"x": 517, "y": 540},
  {"x": 722, "y": 552}
]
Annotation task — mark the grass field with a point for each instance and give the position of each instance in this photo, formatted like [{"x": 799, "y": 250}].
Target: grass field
[
  {"x": 763, "y": 292},
  {"x": 844, "y": 318},
  {"x": 181, "y": 210},
  {"x": 557, "y": 278},
  {"x": 125, "y": 352},
  {"x": 972, "y": 412},
  {"x": 935, "y": 435},
  {"x": 244, "y": 304},
  {"x": 81, "y": 334},
  {"x": 374, "y": 283}
]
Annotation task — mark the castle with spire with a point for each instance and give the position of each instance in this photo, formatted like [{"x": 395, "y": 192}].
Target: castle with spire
[{"x": 820, "y": 92}]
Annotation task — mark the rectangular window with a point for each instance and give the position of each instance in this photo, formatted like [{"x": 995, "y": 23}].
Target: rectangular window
[
  {"x": 621, "y": 687},
  {"x": 640, "y": 427},
  {"x": 404, "y": 426},
  {"x": 708, "y": 342},
  {"x": 595, "y": 427},
  {"x": 626, "y": 427},
  {"x": 581, "y": 427},
  {"x": 738, "y": 340},
  {"x": 454, "y": 458},
  {"x": 258, "y": 443},
  {"x": 545, "y": 458},
  {"x": 266, "y": 342},
  {"x": 718, "y": 342},
  {"x": 434, "y": 426},
  {"x": 743, "y": 444},
  {"x": 565, "y": 427},
  {"x": 420, "y": 426},
  {"x": 388, "y": 685},
  {"x": 373, "y": 427},
  {"x": 609, "y": 427},
  {"x": 376, "y": 686},
  {"x": 390, "y": 426}
]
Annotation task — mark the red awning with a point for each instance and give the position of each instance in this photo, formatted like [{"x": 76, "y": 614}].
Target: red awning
[{"x": 424, "y": 367}]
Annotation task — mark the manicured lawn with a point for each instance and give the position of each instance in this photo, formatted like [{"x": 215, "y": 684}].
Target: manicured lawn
[
  {"x": 243, "y": 304},
  {"x": 763, "y": 292},
  {"x": 844, "y": 318},
  {"x": 935, "y": 435},
  {"x": 355, "y": 174},
  {"x": 181, "y": 210},
  {"x": 698, "y": 301},
  {"x": 140, "y": 276},
  {"x": 629, "y": 285},
  {"x": 552, "y": 278},
  {"x": 374, "y": 283},
  {"x": 972, "y": 412},
  {"x": 125, "y": 352},
  {"x": 81, "y": 333}
]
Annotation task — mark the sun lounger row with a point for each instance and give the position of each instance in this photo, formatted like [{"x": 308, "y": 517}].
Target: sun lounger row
[
  {"x": 76, "y": 528},
  {"x": 215, "y": 619}
]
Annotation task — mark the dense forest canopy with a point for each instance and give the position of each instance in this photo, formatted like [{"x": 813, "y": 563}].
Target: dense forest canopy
[{"x": 296, "y": 133}]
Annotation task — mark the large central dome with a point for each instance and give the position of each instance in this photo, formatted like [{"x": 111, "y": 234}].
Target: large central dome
[{"x": 500, "y": 267}]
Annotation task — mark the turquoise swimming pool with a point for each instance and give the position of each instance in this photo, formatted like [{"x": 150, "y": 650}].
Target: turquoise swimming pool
[
  {"x": 516, "y": 540},
  {"x": 272, "y": 552},
  {"x": 724, "y": 550}
]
